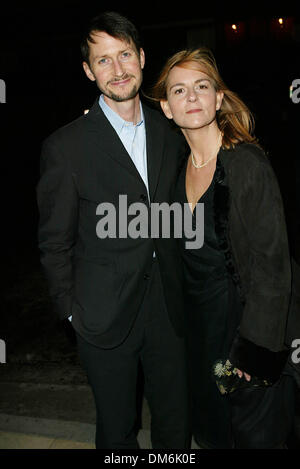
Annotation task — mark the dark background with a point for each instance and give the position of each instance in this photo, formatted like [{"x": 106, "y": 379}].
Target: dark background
[{"x": 47, "y": 88}]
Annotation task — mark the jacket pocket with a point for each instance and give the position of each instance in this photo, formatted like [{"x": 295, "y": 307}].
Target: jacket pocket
[{"x": 95, "y": 285}]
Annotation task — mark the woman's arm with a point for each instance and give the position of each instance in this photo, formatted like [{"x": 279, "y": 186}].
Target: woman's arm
[{"x": 258, "y": 348}]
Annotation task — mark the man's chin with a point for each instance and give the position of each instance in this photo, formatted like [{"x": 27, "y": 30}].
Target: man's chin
[{"x": 120, "y": 97}]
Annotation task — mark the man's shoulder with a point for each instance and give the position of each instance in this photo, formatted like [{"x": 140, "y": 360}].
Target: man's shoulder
[
  {"x": 75, "y": 130},
  {"x": 67, "y": 132},
  {"x": 155, "y": 116},
  {"x": 151, "y": 111}
]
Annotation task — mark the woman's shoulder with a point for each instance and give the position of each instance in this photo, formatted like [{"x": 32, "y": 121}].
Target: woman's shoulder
[
  {"x": 250, "y": 152},
  {"x": 245, "y": 157},
  {"x": 247, "y": 165}
]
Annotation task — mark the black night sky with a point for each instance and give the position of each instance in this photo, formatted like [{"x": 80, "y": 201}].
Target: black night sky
[{"x": 46, "y": 88}]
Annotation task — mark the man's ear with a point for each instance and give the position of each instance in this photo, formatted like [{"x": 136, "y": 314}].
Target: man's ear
[
  {"x": 166, "y": 108},
  {"x": 142, "y": 58},
  {"x": 88, "y": 71}
]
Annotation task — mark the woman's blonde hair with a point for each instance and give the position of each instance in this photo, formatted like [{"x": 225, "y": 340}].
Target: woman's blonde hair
[{"x": 234, "y": 118}]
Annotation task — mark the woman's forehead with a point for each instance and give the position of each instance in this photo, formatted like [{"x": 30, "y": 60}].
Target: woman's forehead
[{"x": 184, "y": 71}]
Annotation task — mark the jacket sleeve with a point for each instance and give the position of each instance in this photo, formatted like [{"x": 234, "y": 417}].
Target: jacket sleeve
[
  {"x": 58, "y": 208},
  {"x": 259, "y": 348}
]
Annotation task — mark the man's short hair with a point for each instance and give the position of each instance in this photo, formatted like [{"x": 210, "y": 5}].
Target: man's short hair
[{"x": 115, "y": 25}]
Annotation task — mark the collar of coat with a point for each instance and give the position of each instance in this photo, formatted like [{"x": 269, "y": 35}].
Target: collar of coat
[{"x": 221, "y": 217}]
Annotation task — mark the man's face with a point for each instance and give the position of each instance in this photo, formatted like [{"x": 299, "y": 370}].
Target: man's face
[{"x": 116, "y": 67}]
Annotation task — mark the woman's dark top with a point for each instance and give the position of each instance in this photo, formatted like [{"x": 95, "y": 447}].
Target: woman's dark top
[
  {"x": 207, "y": 262},
  {"x": 209, "y": 301}
]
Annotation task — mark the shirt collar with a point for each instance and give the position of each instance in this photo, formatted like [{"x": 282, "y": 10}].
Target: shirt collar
[{"x": 116, "y": 121}]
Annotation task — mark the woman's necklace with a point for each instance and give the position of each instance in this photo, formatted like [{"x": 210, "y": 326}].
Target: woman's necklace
[{"x": 198, "y": 166}]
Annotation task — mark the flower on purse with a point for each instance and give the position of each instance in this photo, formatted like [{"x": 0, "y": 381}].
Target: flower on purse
[
  {"x": 224, "y": 369},
  {"x": 227, "y": 379}
]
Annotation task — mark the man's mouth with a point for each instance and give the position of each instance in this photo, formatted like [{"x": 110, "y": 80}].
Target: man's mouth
[{"x": 121, "y": 82}]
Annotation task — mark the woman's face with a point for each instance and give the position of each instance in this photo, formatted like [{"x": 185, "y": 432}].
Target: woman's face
[{"x": 192, "y": 100}]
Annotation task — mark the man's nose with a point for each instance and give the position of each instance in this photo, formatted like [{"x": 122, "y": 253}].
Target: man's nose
[{"x": 118, "y": 68}]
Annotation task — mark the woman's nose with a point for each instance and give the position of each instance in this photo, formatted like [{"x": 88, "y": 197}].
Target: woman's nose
[{"x": 192, "y": 96}]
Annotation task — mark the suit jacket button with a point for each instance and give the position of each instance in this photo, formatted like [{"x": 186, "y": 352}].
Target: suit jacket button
[
  {"x": 143, "y": 197},
  {"x": 146, "y": 277}
]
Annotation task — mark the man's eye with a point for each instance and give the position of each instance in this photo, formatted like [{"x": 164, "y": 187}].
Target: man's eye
[
  {"x": 126, "y": 55},
  {"x": 102, "y": 61}
]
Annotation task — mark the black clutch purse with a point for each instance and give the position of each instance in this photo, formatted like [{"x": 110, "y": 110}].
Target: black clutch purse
[{"x": 227, "y": 379}]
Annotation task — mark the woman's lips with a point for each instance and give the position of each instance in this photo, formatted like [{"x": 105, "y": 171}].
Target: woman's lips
[{"x": 191, "y": 111}]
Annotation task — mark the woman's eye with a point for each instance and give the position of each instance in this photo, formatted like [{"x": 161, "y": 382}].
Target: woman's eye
[{"x": 179, "y": 91}]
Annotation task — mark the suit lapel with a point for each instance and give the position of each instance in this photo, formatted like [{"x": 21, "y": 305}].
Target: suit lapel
[
  {"x": 106, "y": 138},
  {"x": 155, "y": 145},
  {"x": 109, "y": 142}
]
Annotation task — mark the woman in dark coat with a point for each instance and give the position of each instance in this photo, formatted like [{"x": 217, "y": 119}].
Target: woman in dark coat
[{"x": 238, "y": 284}]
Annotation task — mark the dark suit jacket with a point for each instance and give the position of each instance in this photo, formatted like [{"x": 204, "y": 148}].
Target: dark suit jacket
[{"x": 101, "y": 282}]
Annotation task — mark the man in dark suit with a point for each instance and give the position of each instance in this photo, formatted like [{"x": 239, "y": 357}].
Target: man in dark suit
[{"x": 123, "y": 294}]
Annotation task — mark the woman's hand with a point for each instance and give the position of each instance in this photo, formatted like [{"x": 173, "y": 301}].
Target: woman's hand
[{"x": 241, "y": 373}]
